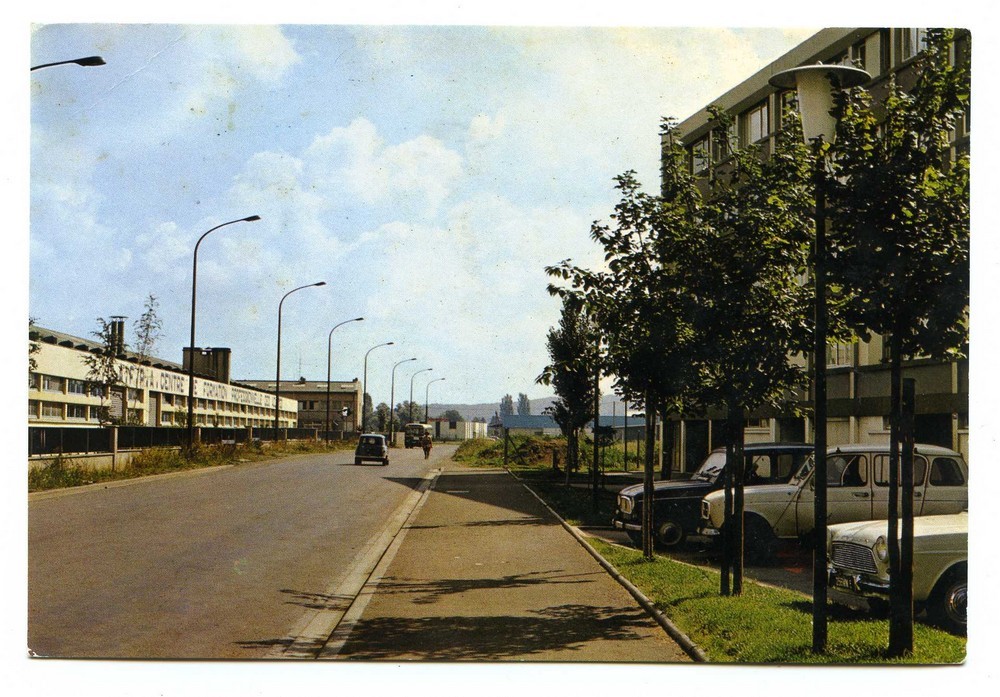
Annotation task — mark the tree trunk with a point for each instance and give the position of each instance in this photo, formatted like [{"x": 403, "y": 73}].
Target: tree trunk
[
  {"x": 595, "y": 475},
  {"x": 665, "y": 451},
  {"x": 739, "y": 470},
  {"x": 647, "y": 481},
  {"x": 897, "y": 629},
  {"x": 727, "y": 524}
]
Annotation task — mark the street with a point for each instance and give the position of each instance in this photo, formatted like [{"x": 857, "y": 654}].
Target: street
[{"x": 234, "y": 562}]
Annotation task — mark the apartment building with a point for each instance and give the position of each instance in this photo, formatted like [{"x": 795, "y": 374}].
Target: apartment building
[
  {"x": 858, "y": 373},
  {"x": 311, "y": 399}
]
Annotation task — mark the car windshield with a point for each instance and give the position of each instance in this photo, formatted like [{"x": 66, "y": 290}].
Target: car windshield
[
  {"x": 370, "y": 440},
  {"x": 710, "y": 468}
]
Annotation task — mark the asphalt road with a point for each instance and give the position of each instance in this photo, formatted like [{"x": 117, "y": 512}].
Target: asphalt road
[{"x": 233, "y": 562}]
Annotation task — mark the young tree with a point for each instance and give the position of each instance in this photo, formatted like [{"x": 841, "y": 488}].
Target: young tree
[
  {"x": 570, "y": 373},
  {"x": 452, "y": 415},
  {"x": 507, "y": 405},
  {"x": 33, "y": 348},
  {"x": 409, "y": 412},
  {"x": 147, "y": 329},
  {"x": 105, "y": 375},
  {"x": 900, "y": 244},
  {"x": 523, "y": 405},
  {"x": 367, "y": 411},
  {"x": 382, "y": 416}
]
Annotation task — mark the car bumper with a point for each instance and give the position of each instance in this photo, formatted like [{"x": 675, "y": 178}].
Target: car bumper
[
  {"x": 708, "y": 532},
  {"x": 622, "y": 525},
  {"x": 857, "y": 584}
]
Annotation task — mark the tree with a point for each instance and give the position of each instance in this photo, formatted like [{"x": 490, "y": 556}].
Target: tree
[
  {"x": 409, "y": 412},
  {"x": 507, "y": 405},
  {"x": 743, "y": 270},
  {"x": 569, "y": 372},
  {"x": 900, "y": 253},
  {"x": 367, "y": 411},
  {"x": 452, "y": 415},
  {"x": 147, "y": 329},
  {"x": 523, "y": 405},
  {"x": 34, "y": 348},
  {"x": 382, "y": 416},
  {"x": 105, "y": 375}
]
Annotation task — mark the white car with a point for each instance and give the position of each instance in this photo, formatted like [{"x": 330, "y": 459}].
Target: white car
[
  {"x": 857, "y": 489},
  {"x": 859, "y": 559}
]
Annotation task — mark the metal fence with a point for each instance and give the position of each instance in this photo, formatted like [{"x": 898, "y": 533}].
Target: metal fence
[{"x": 55, "y": 440}]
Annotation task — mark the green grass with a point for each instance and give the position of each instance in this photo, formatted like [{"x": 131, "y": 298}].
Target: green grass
[
  {"x": 766, "y": 624},
  {"x": 65, "y": 472}
]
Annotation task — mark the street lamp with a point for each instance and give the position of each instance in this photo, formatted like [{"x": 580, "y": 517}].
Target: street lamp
[
  {"x": 814, "y": 85},
  {"x": 427, "y": 391},
  {"x": 277, "y": 376},
  {"x": 329, "y": 339},
  {"x": 87, "y": 62},
  {"x": 194, "y": 299},
  {"x": 411, "y": 389},
  {"x": 364, "y": 388},
  {"x": 392, "y": 397}
]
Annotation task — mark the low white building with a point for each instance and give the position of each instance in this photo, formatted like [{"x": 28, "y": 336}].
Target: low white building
[{"x": 458, "y": 430}]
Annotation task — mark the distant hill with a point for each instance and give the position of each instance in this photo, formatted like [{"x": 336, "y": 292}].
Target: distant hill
[{"x": 610, "y": 404}]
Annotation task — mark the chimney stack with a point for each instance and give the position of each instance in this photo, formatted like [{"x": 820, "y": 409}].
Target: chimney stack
[{"x": 117, "y": 335}]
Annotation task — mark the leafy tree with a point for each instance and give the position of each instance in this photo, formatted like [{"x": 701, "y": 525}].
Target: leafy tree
[
  {"x": 409, "y": 412},
  {"x": 367, "y": 411},
  {"x": 507, "y": 405},
  {"x": 900, "y": 247},
  {"x": 523, "y": 405},
  {"x": 743, "y": 270},
  {"x": 33, "y": 347},
  {"x": 452, "y": 415},
  {"x": 147, "y": 329},
  {"x": 382, "y": 416},
  {"x": 105, "y": 374},
  {"x": 570, "y": 373}
]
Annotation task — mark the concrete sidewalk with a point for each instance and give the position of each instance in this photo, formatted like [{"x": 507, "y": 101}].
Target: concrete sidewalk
[{"x": 483, "y": 572}]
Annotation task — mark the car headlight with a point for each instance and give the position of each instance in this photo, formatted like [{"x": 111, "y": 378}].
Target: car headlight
[{"x": 881, "y": 548}]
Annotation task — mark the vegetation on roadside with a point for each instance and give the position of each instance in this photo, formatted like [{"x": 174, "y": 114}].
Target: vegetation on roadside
[
  {"x": 767, "y": 624},
  {"x": 65, "y": 472}
]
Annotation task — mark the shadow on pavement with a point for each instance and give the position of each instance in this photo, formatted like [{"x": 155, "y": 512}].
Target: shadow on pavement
[
  {"x": 559, "y": 628},
  {"x": 431, "y": 591},
  {"x": 318, "y": 601}
]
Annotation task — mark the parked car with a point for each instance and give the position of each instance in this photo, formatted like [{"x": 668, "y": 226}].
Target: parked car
[
  {"x": 371, "y": 446},
  {"x": 859, "y": 565},
  {"x": 676, "y": 502},
  {"x": 857, "y": 489}
]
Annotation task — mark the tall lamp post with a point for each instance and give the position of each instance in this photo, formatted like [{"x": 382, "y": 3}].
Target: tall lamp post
[
  {"x": 194, "y": 300},
  {"x": 87, "y": 62},
  {"x": 364, "y": 387},
  {"x": 427, "y": 392},
  {"x": 277, "y": 376},
  {"x": 329, "y": 340},
  {"x": 814, "y": 85},
  {"x": 411, "y": 390},
  {"x": 392, "y": 399}
]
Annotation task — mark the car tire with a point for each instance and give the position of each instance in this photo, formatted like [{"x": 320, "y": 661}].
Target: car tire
[
  {"x": 947, "y": 606},
  {"x": 385, "y": 462},
  {"x": 669, "y": 534},
  {"x": 635, "y": 537},
  {"x": 357, "y": 461},
  {"x": 759, "y": 541}
]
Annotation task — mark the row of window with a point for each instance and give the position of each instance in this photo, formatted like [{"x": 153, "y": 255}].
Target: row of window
[
  {"x": 853, "y": 471},
  {"x": 756, "y": 123},
  {"x": 38, "y": 409}
]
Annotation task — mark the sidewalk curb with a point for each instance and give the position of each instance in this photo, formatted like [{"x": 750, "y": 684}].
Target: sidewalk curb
[{"x": 685, "y": 642}]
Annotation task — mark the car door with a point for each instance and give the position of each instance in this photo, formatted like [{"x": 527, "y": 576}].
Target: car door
[
  {"x": 880, "y": 468},
  {"x": 848, "y": 492},
  {"x": 947, "y": 488}
]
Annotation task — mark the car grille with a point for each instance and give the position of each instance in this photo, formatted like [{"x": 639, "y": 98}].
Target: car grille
[{"x": 854, "y": 557}]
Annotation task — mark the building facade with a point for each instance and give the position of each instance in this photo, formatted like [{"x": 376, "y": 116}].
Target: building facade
[
  {"x": 858, "y": 373},
  {"x": 152, "y": 391},
  {"x": 310, "y": 397}
]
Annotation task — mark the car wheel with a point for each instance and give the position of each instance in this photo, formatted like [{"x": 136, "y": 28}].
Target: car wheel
[
  {"x": 948, "y": 604},
  {"x": 669, "y": 534},
  {"x": 635, "y": 537},
  {"x": 385, "y": 462},
  {"x": 758, "y": 540},
  {"x": 357, "y": 461},
  {"x": 878, "y": 607}
]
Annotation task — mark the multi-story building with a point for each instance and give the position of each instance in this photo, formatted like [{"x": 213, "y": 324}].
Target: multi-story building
[
  {"x": 858, "y": 373},
  {"x": 311, "y": 398},
  {"x": 152, "y": 391}
]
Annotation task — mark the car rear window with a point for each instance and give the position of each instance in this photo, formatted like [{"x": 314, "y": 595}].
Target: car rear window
[{"x": 946, "y": 472}]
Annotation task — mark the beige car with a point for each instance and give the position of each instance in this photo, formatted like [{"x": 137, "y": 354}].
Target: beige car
[
  {"x": 859, "y": 558},
  {"x": 857, "y": 489}
]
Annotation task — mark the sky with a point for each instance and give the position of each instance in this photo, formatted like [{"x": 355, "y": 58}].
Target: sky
[{"x": 427, "y": 174}]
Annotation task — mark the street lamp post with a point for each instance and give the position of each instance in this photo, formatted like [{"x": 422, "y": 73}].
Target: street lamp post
[
  {"x": 392, "y": 399},
  {"x": 814, "y": 85},
  {"x": 329, "y": 340},
  {"x": 194, "y": 300},
  {"x": 277, "y": 376},
  {"x": 411, "y": 390},
  {"x": 364, "y": 388},
  {"x": 87, "y": 62},
  {"x": 427, "y": 391}
]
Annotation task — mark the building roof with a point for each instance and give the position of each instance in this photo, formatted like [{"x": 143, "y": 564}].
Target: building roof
[
  {"x": 530, "y": 421},
  {"x": 308, "y": 386},
  {"x": 619, "y": 421},
  {"x": 51, "y": 336}
]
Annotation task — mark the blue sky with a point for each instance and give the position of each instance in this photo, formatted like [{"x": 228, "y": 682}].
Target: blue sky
[{"x": 426, "y": 173}]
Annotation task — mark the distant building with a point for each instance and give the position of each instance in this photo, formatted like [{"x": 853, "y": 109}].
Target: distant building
[
  {"x": 446, "y": 429},
  {"x": 532, "y": 424},
  {"x": 311, "y": 398},
  {"x": 153, "y": 391}
]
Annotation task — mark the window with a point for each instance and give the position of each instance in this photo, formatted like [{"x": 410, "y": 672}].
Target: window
[
  {"x": 882, "y": 470},
  {"x": 51, "y": 383},
  {"x": 963, "y": 421},
  {"x": 76, "y": 411},
  {"x": 946, "y": 472},
  {"x": 846, "y": 470},
  {"x": 167, "y": 417},
  {"x": 32, "y": 408},
  {"x": 840, "y": 354},
  {"x": 755, "y": 124},
  {"x": 859, "y": 54},
  {"x": 33, "y": 381},
  {"x": 721, "y": 145},
  {"x": 788, "y": 104},
  {"x": 52, "y": 410},
  {"x": 911, "y": 42},
  {"x": 76, "y": 386},
  {"x": 699, "y": 156},
  {"x": 134, "y": 395}
]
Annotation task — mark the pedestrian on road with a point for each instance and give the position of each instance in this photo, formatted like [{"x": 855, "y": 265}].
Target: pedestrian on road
[{"x": 425, "y": 443}]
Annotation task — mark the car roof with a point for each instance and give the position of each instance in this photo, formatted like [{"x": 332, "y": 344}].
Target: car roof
[
  {"x": 920, "y": 448},
  {"x": 770, "y": 446}
]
